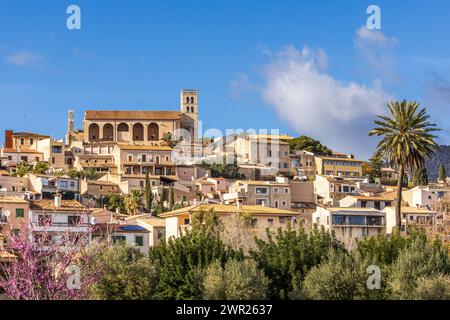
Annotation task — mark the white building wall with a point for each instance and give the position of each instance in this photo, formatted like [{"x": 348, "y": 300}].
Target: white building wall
[{"x": 172, "y": 227}]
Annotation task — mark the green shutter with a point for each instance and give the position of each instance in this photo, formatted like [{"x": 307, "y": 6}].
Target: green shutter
[
  {"x": 20, "y": 213},
  {"x": 139, "y": 241}
]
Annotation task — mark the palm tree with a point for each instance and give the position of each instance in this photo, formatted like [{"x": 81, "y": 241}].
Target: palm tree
[
  {"x": 407, "y": 140},
  {"x": 133, "y": 202},
  {"x": 168, "y": 140}
]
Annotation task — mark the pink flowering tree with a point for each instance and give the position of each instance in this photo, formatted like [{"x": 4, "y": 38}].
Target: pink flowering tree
[{"x": 49, "y": 265}]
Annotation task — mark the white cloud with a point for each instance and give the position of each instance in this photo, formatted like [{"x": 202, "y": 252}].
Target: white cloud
[
  {"x": 23, "y": 58},
  {"x": 316, "y": 104},
  {"x": 378, "y": 49}
]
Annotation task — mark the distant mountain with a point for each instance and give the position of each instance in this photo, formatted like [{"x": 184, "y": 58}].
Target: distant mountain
[{"x": 442, "y": 155}]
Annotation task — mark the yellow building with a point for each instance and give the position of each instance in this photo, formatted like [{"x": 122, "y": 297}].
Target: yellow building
[
  {"x": 264, "y": 217},
  {"x": 339, "y": 167}
]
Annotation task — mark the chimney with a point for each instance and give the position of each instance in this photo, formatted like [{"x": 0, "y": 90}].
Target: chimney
[
  {"x": 9, "y": 139},
  {"x": 58, "y": 200}
]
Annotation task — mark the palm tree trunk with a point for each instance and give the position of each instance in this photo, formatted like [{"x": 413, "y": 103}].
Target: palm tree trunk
[{"x": 398, "y": 203}]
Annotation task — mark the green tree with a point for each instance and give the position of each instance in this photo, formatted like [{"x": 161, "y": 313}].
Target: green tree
[
  {"x": 442, "y": 173},
  {"x": 239, "y": 280},
  {"x": 419, "y": 259},
  {"x": 128, "y": 276},
  {"x": 132, "y": 202},
  {"x": 171, "y": 199},
  {"x": 375, "y": 164},
  {"x": 168, "y": 140},
  {"x": 384, "y": 250},
  {"x": 420, "y": 177},
  {"x": 22, "y": 169},
  {"x": 407, "y": 139},
  {"x": 339, "y": 277},
  {"x": 148, "y": 193},
  {"x": 436, "y": 287},
  {"x": 308, "y": 144},
  {"x": 224, "y": 169},
  {"x": 116, "y": 201},
  {"x": 182, "y": 261},
  {"x": 287, "y": 255},
  {"x": 73, "y": 173},
  {"x": 40, "y": 168}
]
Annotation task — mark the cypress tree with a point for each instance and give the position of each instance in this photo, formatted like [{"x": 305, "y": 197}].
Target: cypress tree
[
  {"x": 148, "y": 193},
  {"x": 442, "y": 173}
]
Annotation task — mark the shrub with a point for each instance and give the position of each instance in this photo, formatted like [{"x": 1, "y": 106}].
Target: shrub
[
  {"x": 418, "y": 260},
  {"x": 239, "y": 280},
  {"x": 340, "y": 277},
  {"x": 129, "y": 276},
  {"x": 287, "y": 255}
]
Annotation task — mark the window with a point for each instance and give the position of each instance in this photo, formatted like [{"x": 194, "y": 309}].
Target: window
[
  {"x": 141, "y": 183},
  {"x": 56, "y": 149},
  {"x": 31, "y": 141},
  {"x": 20, "y": 213},
  {"x": 261, "y": 202},
  {"x": 270, "y": 222},
  {"x": 261, "y": 190},
  {"x": 24, "y": 158},
  {"x": 22, "y": 141},
  {"x": 130, "y": 158},
  {"x": 338, "y": 219},
  {"x": 63, "y": 184},
  {"x": 72, "y": 184},
  {"x": 345, "y": 189},
  {"x": 139, "y": 241},
  {"x": 374, "y": 221},
  {"x": 53, "y": 160},
  {"x": 276, "y": 204},
  {"x": 284, "y": 203},
  {"x": 275, "y": 190},
  {"x": 286, "y": 191},
  {"x": 356, "y": 220},
  {"x": 187, "y": 221},
  {"x": 363, "y": 204}
]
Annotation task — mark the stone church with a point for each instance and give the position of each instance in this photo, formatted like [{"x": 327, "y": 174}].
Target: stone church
[{"x": 139, "y": 127}]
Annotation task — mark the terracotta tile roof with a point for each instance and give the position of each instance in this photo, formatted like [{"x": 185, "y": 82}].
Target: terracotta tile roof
[
  {"x": 132, "y": 115},
  {"x": 143, "y": 148},
  {"x": 227, "y": 209},
  {"x": 353, "y": 209},
  {"x": 154, "y": 222},
  {"x": 340, "y": 159},
  {"x": 12, "y": 199},
  {"x": 11, "y": 150},
  {"x": 29, "y": 134},
  {"x": 101, "y": 183},
  {"x": 49, "y": 205},
  {"x": 372, "y": 198}
]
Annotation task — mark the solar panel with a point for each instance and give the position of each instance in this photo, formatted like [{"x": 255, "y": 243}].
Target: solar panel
[{"x": 132, "y": 228}]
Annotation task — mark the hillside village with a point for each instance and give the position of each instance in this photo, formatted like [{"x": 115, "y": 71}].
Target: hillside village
[{"x": 131, "y": 176}]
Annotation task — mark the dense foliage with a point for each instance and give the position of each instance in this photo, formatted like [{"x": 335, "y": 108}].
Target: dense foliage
[{"x": 308, "y": 144}]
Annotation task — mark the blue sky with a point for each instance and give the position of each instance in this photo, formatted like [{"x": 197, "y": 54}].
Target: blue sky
[{"x": 303, "y": 67}]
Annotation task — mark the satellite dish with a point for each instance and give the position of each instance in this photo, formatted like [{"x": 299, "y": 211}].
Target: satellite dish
[{"x": 7, "y": 213}]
